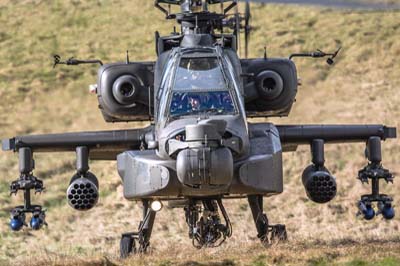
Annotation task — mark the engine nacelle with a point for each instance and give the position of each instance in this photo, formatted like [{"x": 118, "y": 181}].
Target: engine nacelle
[
  {"x": 83, "y": 192},
  {"x": 124, "y": 91},
  {"x": 270, "y": 87},
  {"x": 319, "y": 184}
]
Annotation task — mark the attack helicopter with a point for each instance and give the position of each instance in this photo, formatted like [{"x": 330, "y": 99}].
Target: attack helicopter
[{"x": 200, "y": 148}]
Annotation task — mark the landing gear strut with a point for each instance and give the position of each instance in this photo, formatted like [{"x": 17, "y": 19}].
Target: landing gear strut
[
  {"x": 266, "y": 233},
  {"x": 128, "y": 240}
]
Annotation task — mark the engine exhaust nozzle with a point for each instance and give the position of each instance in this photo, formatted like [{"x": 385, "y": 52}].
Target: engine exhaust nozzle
[
  {"x": 83, "y": 192},
  {"x": 319, "y": 184}
]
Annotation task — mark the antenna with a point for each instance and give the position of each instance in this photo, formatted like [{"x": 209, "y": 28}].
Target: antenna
[
  {"x": 205, "y": 5},
  {"x": 265, "y": 52},
  {"x": 221, "y": 5},
  {"x": 247, "y": 28},
  {"x": 127, "y": 57},
  {"x": 196, "y": 28},
  {"x": 150, "y": 98}
]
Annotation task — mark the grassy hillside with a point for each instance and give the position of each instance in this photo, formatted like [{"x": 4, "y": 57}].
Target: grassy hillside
[{"x": 362, "y": 87}]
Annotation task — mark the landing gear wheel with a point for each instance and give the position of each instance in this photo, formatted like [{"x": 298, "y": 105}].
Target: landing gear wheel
[
  {"x": 278, "y": 233},
  {"x": 127, "y": 246},
  {"x": 265, "y": 241}
]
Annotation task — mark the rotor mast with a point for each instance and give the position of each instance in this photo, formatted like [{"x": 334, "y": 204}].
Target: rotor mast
[{"x": 194, "y": 16}]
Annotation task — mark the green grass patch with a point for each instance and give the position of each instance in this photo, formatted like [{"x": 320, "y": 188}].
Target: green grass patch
[
  {"x": 389, "y": 261},
  {"x": 261, "y": 260},
  {"x": 357, "y": 262}
]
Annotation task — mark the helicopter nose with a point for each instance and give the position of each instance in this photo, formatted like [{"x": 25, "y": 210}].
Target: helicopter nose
[
  {"x": 202, "y": 166},
  {"x": 205, "y": 162}
]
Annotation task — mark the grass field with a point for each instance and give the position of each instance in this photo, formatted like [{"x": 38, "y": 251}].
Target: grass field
[{"x": 362, "y": 87}]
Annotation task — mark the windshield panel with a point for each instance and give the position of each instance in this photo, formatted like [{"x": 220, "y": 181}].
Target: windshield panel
[
  {"x": 195, "y": 102},
  {"x": 199, "y": 73}
]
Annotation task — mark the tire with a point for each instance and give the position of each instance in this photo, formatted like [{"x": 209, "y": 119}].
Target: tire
[
  {"x": 127, "y": 246},
  {"x": 279, "y": 233}
]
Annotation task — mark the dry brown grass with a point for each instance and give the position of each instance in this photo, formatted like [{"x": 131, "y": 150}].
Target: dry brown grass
[{"x": 363, "y": 87}]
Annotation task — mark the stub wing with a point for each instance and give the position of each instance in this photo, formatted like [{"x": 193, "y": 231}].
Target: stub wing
[
  {"x": 320, "y": 184},
  {"x": 293, "y": 135},
  {"x": 102, "y": 145}
]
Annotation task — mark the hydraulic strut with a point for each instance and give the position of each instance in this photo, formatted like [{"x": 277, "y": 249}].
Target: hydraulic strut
[
  {"x": 266, "y": 233},
  {"x": 128, "y": 240}
]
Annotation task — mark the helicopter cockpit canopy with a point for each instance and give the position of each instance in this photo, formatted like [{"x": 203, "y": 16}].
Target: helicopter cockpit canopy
[
  {"x": 199, "y": 73},
  {"x": 192, "y": 103},
  {"x": 200, "y": 87}
]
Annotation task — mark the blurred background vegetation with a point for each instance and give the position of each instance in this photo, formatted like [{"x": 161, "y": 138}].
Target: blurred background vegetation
[{"x": 362, "y": 87}]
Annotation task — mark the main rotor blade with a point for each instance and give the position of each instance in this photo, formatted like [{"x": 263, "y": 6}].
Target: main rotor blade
[
  {"x": 349, "y": 4},
  {"x": 247, "y": 12},
  {"x": 237, "y": 27},
  {"x": 247, "y": 17}
]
